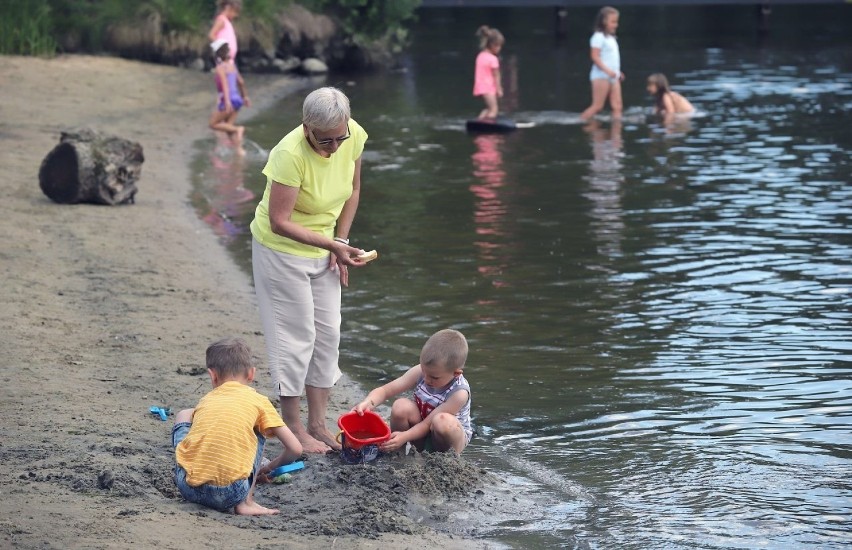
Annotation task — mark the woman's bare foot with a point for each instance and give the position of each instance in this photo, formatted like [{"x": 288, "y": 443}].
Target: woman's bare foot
[
  {"x": 252, "y": 508},
  {"x": 325, "y": 437},
  {"x": 310, "y": 444}
]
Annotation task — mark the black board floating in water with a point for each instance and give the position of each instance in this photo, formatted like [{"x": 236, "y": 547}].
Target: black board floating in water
[{"x": 495, "y": 125}]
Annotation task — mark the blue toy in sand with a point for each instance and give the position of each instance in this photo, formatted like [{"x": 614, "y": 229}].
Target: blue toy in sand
[
  {"x": 287, "y": 468},
  {"x": 162, "y": 412}
]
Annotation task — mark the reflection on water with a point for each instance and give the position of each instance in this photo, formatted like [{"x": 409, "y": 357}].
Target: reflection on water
[
  {"x": 223, "y": 190},
  {"x": 660, "y": 316},
  {"x": 489, "y": 211},
  {"x": 605, "y": 179},
  {"x": 511, "y": 90}
]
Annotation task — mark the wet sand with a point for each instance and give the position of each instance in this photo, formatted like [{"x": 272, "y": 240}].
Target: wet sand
[{"x": 108, "y": 310}]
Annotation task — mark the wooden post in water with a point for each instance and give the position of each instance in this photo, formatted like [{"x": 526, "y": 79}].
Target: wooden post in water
[
  {"x": 561, "y": 28},
  {"x": 764, "y": 10}
]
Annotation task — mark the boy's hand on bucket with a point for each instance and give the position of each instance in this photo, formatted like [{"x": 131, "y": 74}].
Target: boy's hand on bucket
[{"x": 364, "y": 405}]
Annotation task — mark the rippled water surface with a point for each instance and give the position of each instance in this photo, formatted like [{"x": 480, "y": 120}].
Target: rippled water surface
[{"x": 659, "y": 317}]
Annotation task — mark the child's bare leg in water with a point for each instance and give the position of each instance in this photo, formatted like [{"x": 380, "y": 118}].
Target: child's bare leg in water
[
  {"x": 224, "y": 122},
  {"x": 490, "y": 111}
]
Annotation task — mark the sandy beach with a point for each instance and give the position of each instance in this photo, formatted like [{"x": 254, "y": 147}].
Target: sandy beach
[{"x": 108, "y": 310}]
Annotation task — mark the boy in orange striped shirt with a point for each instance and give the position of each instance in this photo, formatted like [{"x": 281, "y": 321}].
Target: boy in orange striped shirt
[{"x": 219, "y": 444}]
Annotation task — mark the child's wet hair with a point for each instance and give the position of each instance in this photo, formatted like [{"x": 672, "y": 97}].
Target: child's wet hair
[
  {"x": 446, "y": 347},
  {"x": 603, "y": 14},
  {"x": 237, "y": 4},
  {"x": 229, "y": 357},
  {"x": 660, "y": 81},
  {"x": 489, "y": 37}
]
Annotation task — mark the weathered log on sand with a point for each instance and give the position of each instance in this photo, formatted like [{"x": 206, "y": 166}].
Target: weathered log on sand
[{"x": 89, "y": 166}]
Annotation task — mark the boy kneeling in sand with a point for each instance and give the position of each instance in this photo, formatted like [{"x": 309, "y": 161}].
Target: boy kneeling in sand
[
  {"x": 219, "y": 444},
  {"x": 438, "y": 419}
]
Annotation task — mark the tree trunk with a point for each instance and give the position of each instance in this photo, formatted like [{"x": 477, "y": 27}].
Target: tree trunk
[{"x": 89, "y": 166}]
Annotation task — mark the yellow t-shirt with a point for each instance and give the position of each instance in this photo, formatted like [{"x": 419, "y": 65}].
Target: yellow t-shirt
[
  {"x": 325, "y": 184},
  {"x": 221, "y": 445}
]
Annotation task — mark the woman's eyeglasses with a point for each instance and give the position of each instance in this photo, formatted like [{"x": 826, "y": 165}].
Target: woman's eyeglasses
[{"x": 329, "y": 141}]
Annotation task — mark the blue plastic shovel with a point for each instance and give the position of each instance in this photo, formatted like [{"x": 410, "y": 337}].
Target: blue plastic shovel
[{"x": 164, "y": 413}]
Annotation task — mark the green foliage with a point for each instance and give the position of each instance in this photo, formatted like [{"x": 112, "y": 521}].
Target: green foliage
[
  {"x": 25, "y": 28},
  {"x": 262, "y": 9},
  {"x": 39, "y": 27},
  {"x": 176, "y": 15},
  {"x": 367, "y": 21},
  {"x": 86, "y": 21}
]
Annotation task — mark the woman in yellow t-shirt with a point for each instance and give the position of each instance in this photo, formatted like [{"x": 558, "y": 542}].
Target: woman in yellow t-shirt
[{"x": 301, "y": 256}]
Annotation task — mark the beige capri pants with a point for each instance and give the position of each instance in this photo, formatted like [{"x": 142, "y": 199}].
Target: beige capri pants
[{"x": 299, "y": 302}]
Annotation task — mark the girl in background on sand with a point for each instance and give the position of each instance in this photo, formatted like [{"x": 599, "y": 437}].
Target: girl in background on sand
[
  {"x": 667, "y": 102},
  {"x": 222, "y": 28},
  {"x": 232, "y": 94},
  {"x": 606, "y": 75},
  {"x": 487, "y": 81}
]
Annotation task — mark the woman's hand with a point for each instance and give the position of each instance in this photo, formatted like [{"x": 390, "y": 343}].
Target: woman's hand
[
  {"x": 346, "y": 253},
  {"x": 342, "y": 256}
]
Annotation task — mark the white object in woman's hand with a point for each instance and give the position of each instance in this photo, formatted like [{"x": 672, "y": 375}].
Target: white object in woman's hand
[{"x": 367, "y": 256}]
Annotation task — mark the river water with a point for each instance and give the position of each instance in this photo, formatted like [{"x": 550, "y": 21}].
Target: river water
[{"x": 659, "y": 317}]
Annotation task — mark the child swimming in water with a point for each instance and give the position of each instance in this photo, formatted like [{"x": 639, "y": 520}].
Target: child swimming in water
[{"x": 667, "y": 102}]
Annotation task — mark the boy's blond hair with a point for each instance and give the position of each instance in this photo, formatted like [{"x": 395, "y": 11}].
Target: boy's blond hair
[
  {"x": 446, "y": 347},
  {"x": 229, "y": 358}
]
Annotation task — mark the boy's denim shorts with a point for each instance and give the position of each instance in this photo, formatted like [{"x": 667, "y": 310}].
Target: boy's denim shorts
[{"x": 219, "y": 498}]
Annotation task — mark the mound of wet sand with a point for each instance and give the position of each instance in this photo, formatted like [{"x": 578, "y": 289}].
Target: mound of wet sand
[{"x": 366, "y": 500}]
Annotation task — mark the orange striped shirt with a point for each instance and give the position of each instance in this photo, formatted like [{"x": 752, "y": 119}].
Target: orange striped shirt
[{"x": 221, "y": 445}]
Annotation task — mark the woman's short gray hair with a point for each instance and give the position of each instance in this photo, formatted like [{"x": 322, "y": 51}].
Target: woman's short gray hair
[{"x": 325, "y": 108}]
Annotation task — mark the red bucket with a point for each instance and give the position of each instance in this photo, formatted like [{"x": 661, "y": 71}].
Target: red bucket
[{"x": 359, "y": 430}]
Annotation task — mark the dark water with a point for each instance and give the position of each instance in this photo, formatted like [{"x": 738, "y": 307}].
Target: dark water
[{"x": 659, "y": 317}]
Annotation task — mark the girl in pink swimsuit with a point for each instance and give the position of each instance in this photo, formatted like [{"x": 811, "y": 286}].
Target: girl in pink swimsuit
[
  {"x": 222, "y": 28},
  {"x": 487, "y": 76}
]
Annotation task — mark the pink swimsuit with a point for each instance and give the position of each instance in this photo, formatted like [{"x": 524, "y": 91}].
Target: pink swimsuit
[
  {"x": 484, "y": 83},
  {"x": 228, "y": 34}
]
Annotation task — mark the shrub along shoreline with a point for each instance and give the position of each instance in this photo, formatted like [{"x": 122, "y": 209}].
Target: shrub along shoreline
[{"x": 274, "y": 35}]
